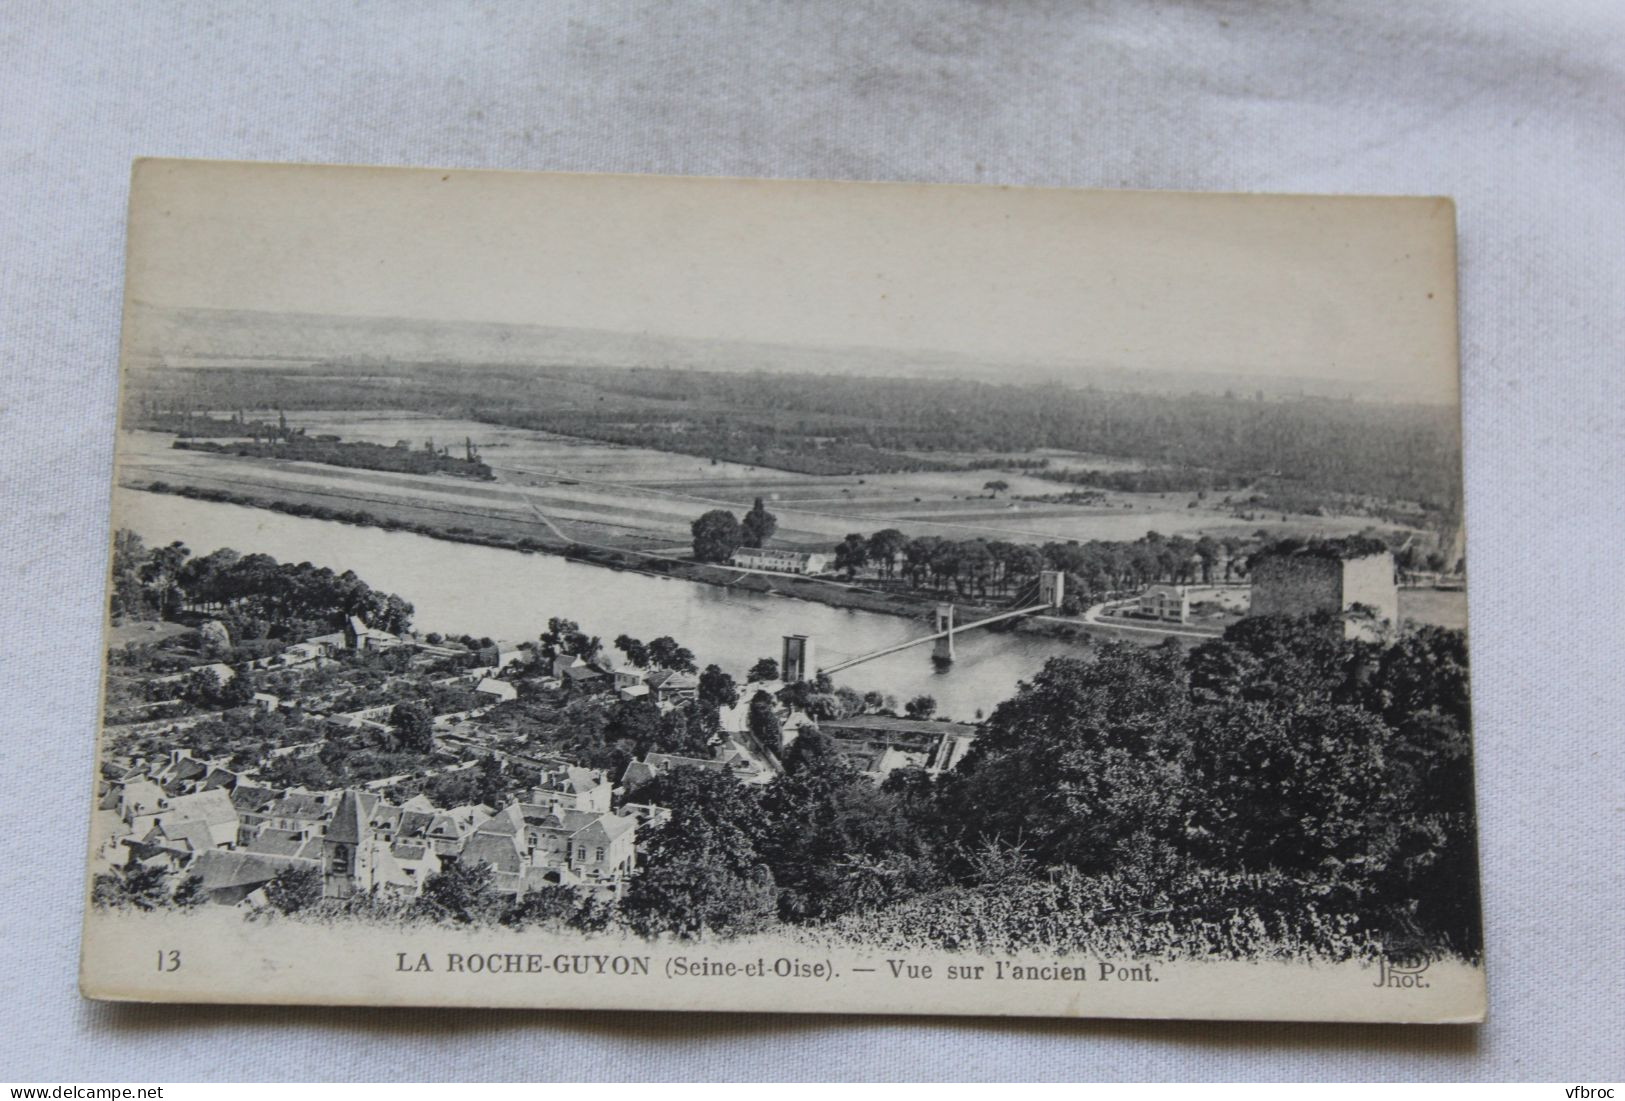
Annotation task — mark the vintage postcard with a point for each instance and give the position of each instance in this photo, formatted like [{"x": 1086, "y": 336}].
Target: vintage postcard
[{"x": 612, "y": 591}]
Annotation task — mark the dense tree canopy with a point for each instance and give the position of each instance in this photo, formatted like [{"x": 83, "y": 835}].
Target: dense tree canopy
[
  {"x": 717, "y": 689},
  {"x": 701, "y": 870},
  {"x": 413, "y": 727},
  {"x": 852, "y": 554},
  {"x": 717, "y": 535},
  {"x": 253, "y": 593},
  {"x": 836, "y": 842},
  {"x": 634, "y": 650},
  {"x": 921, "y": 707},
  {"x": 666, "y": 652},
  {"x": 763, "y": 722},
  {"x": 564, "y": 637},
  {"x": 758, "y": 525},
  {"x": 295, "y": 888},
  {"x": 1278, "y": 765}
]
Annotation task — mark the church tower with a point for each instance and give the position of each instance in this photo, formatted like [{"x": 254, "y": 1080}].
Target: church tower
[{"x": 346, "y": 854}]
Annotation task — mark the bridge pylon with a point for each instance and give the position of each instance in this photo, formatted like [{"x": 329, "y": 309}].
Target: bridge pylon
[
  {"x": 799, "y": 663},
  {"x": 1051, "y": 588},
  {"x": 944, "y": 649}
]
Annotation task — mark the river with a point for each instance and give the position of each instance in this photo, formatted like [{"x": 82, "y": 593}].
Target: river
[{"x": 459, "y": 589}]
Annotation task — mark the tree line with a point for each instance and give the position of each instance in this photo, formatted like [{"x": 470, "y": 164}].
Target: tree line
[
  {"x": 258, "y": 594},
  {"x": 360, "y": 455},
  {"x": 982, "y": 568}
]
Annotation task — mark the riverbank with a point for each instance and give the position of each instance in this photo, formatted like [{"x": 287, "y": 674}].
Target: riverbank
[{"x": 497, "y": 531}]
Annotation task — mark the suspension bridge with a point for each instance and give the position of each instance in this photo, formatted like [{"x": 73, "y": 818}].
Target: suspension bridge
[{"x": 1043, "y": 594}]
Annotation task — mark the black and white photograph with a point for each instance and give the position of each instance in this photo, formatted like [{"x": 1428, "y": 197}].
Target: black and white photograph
[{"x": 601, "y": 591}]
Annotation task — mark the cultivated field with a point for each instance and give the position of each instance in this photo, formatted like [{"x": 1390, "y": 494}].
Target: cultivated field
[
  {"x": 641, "y": 499},
  {"x": 559, "y": 489}
]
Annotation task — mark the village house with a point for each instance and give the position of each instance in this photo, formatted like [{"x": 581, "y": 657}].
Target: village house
[
  {"x": 239, "y": 878},
  {"x": 626, "y": 679},
  {"x": 156, "y": 853},
  {"x": 561, "y": 662},
  {"x": 638, "y": 773},
  {"x": 499, "y": 655},
  {"x": 178, "y": 772},
  {"x": 606, "y": 850},
  {"x": 300, "y": 653},
  {"x": 576, "y": 674},
  {"x": 529, "y": 846},
  {"x": 251, "y": 801},
  {"x": 671, "y": 688},
  {"x": 648, "y": 815},
  {"x": 780, "y": 561},
  {"x": 202, "y": 820},
  {"x": 495, "y": 691},
  {"x": 220, "y": 778},
  {"x": 1169, "y": 603},
  {"x": 327, "y": 645},
  {"x": 298, "y": 749},
  {"x": 191, "y": 821},
  {"x": 574, "y": 788},
  {"x": 451, "y": 828},
  {"x": 134, "y": 798},
  {"x": 297, "y": 812},
  {"x": 270, "y": 841},
  {"x": 584, "y": 678},
  {"x": 358, "y": 636}
]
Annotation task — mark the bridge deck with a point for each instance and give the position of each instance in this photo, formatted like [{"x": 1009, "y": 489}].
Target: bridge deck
[{"x": 860, "y": 659}]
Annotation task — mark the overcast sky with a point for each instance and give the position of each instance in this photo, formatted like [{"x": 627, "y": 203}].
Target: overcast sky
[{"x": 1360, "y": 291}]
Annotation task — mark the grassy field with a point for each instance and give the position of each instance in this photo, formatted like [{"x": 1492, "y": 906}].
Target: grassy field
[{"x": 637, "y": 498}]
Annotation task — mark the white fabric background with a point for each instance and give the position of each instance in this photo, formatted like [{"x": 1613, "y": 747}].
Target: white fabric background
[{"x": 1515, "y": 109}]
